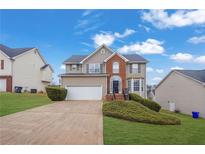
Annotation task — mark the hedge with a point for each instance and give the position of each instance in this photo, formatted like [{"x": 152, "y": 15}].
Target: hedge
[
  {"x": 56, "y": 93},
  {"x": 146, "y": 102},
  {"x": 133, "y": 111}
]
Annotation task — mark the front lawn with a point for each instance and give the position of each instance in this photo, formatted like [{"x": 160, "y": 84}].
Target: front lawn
[
  {"x": 191, "y": 131},
  {"x": 12, "y": 102}
]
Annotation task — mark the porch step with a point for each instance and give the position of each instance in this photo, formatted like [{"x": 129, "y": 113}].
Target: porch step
[{"x": 110, "y": 97}]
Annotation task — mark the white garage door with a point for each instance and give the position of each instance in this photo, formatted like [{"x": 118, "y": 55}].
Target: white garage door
[
  {"x": 84, "y": 93},
  {"x": 3, "y": 85}
]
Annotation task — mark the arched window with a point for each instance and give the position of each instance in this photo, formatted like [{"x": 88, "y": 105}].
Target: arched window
[{"x": 115, "y": 67}]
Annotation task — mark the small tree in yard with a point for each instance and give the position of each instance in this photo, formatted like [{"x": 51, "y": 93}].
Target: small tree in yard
[{"x": 56, "y": 93}]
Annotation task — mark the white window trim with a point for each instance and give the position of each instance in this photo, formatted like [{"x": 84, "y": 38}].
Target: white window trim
[
  {"x": 137, "y": 69},
  {"x": 95, "y": 67},
  {"x": 74, "y": 67},
  {"x": 116, "y": 69}
]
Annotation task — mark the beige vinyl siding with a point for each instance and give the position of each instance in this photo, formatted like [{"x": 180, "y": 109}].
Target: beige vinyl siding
[
  {"x": 187, "y": 94},
  {"x": 85, "y": 81},
  {"x": 141, "y": 75},
  {"x": 7, "y": 64},
  {"x": 27, "y": 72},
  {"x": 97, "y": 58}
]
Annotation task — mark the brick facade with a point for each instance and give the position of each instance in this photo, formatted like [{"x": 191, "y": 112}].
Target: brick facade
[
  {"x": 122, "y": 70},
  {"x": 8, "y": 82}
]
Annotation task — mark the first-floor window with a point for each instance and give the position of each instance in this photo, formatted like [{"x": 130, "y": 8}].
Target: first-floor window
[
  {"x": 136, "y": 85},
  {"x": 129, "y": 85}
]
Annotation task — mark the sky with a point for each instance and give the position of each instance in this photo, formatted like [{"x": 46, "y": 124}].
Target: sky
[{"x": 168, "y": 39}]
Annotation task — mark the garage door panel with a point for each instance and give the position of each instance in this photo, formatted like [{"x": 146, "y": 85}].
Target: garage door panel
[{"x": 84, "y": 93}]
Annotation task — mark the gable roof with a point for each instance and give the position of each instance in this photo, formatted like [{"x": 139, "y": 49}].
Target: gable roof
[
  {"x": 115, "y": 53},
  {"x": 96, "y": 50},
  {"x": 13, "y": 52},
  {"x": 196, "y": 75},
  {"x": 77, "y": 59}
]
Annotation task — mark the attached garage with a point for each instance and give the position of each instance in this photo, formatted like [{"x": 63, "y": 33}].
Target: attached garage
[
  {"x": 85, "y": 87},
  {"x": 3, "y": 85},
  {"x": 84, "y": 92}
]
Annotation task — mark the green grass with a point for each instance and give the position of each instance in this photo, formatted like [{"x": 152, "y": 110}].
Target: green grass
[
  {"x": 191, "y": 132},
  {"x": 133, "y": 111},
  {"x": 12, "y": 102}
]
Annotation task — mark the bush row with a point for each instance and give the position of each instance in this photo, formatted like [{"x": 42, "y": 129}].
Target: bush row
[
  {"x": 146, "y": 102},
  {"x": 133, "y": 111}
]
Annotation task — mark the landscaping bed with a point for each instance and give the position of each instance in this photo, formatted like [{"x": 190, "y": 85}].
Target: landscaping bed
[{"x": 133, "y": 111}]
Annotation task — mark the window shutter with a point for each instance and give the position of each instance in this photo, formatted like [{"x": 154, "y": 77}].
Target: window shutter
[
  {"x": 130, "y": 68},
  {"x": 139, "y": 68},
  {"x": 101, "y": 68},
  {"x": 87, "y": 68},
  {"x": 2, "y": 64}
]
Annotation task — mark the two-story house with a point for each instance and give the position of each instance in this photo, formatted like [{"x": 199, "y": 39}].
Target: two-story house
[
  {"x": 103, "y": 73},
  {"x": 23, "y": 67}
]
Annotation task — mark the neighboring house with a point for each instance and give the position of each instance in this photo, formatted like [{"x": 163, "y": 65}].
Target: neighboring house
[
  {"x": 23, "y": 67},
  {"x": 102, "y": 73},
  {"x": 184, "y": 88},
  {"x": 151, "y": 92}
]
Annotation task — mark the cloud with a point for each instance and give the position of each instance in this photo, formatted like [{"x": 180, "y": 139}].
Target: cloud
[
  {"x": 62, "y": 67},
  {"x": 125, "y": 34},
  {"x": 87, "y": 12},
  {"x": 197, "y": 40},
  {"x": 182, "y": 57},
  {"x": 200, "y": 59},
  {"x": 103, "y": 38},
  {"x": 86, "y": 44},
  {"x": 82, "y": 23},
  {"x": 176, "y": 68},
  {"x": 150, "y": 46},
  {"x": 108, "y": 38},
  {"x": 162, "y": 19},
  {"x": 147, "y": 29},
  {"x": 157, "y": 79},
  {"x": 150, "y": 69},
  {"x": 160, "y": 71}
]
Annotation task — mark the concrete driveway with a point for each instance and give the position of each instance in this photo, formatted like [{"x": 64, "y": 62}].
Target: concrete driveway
[{"x": 68, "y": 122}]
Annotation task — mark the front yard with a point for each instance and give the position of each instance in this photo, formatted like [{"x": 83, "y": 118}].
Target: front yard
[
  {"x": 12, "y": 102},
  {"x": 191, "y": 131}
]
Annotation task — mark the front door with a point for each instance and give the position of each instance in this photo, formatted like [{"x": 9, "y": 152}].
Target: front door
[{"x": 116, "y": 86}]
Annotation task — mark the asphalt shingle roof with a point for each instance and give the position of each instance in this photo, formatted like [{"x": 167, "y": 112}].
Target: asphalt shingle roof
[
  {"x": 75, "y": 59},
  {"x": 12, "y": 52},
  {"x": 79, "y": 58},
  {"x": 134, "y": 57},
  {"x": 195, "y": 74}
]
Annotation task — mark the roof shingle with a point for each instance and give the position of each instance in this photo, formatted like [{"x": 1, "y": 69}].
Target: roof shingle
[
  {"x": 195, "y": 74},
  {"x": 12, "y": 52}
]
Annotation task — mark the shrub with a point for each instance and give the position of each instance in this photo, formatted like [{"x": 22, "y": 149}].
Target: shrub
[
  {"x": 56, "y": 93},
  {"x": 146, "y": 102},
  {"x": 133, "y": 111}
]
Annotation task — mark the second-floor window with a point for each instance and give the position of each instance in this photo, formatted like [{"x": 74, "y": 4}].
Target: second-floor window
[
  {"x": 94, "y": 68},
  {"x": 2, "y": 64},
  {"x": 115, "y": 67},
  {"x": 74, "y": 67},
  {"x": 135, "y": 68}
]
